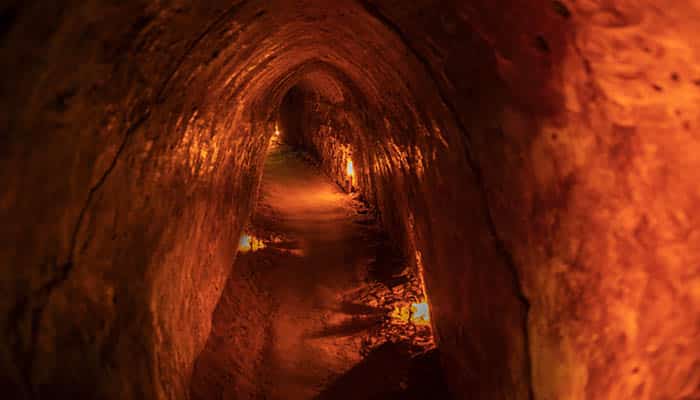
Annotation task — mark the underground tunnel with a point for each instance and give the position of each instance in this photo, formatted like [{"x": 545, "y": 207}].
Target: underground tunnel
[{"x": 366, "y": 199}]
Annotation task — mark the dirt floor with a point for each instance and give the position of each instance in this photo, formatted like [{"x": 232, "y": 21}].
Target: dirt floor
[{"x": 307, "y": 312}]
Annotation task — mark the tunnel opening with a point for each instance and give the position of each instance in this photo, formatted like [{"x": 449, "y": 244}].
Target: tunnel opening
[
  {"x": 366, "y": 312},
  {"x": 319, "y": 116}
]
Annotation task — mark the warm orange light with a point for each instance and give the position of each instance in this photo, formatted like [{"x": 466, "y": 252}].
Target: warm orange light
[
  {"x": 402, "y": 313},
  {"x": 349, "y": 169},
  {"x": 250, "y": 243},
  {"x": 415, "y": 313},
  {"x": 277, "y": 130}
]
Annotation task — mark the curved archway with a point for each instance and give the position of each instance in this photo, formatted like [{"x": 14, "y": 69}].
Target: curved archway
[{"x": 535, "y": 158}]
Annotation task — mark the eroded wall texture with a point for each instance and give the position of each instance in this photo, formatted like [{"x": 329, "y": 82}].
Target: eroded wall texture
[{"x": 537, "y": 159}]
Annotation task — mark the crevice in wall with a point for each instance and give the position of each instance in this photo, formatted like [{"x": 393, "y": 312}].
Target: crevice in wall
[{"x": 44, "y": 292}]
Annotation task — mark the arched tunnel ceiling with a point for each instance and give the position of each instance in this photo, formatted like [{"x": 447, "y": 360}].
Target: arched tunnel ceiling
[
  {"x": 327, "y": 84},
  {"x": 537, "y": 158}
]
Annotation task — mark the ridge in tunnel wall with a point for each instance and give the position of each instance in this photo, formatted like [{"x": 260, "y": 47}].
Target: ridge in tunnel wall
[{"x": 539, "y": 158}]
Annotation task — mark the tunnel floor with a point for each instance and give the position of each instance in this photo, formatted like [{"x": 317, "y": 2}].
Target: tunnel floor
[{"x": 311, "y": 308}]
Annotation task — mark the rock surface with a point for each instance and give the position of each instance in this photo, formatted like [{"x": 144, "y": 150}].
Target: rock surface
[{"x": 538, "y": 160}]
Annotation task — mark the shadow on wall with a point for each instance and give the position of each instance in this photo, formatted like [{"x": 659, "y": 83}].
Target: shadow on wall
[{"x": 390, "y": 373}]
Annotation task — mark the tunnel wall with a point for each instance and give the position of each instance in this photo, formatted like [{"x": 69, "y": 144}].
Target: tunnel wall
[
  {"x": 539, "y": 160},
  {"x": 581, "y": 123},
  {"x": 562, "y": 109},
  {"x": 125, "y": 188}
]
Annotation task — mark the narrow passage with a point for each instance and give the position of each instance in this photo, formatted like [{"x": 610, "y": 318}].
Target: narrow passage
[{"x": 332, "y": 302}]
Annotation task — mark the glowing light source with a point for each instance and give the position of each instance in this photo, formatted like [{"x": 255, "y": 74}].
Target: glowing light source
[
  {"x": 349, "y": 169},
  {"x": 402, "y": 313},
  {"x": 250, "y": 243},
  {"x": 277, "y": 130},
  {"x": 420, "y": 315},
  {"x": 415, "y": 313}
]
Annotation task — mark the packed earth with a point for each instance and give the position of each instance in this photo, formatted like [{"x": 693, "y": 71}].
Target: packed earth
[{"x": 334, "y": 289}]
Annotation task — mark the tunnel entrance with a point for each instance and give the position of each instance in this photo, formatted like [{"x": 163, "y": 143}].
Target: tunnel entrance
[{"x": 319, "y": 303}]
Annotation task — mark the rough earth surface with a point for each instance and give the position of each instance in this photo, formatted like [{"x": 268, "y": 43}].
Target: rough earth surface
[
  {"x": 313, "y": 302},
  {"x": 537, "y": 159}
]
